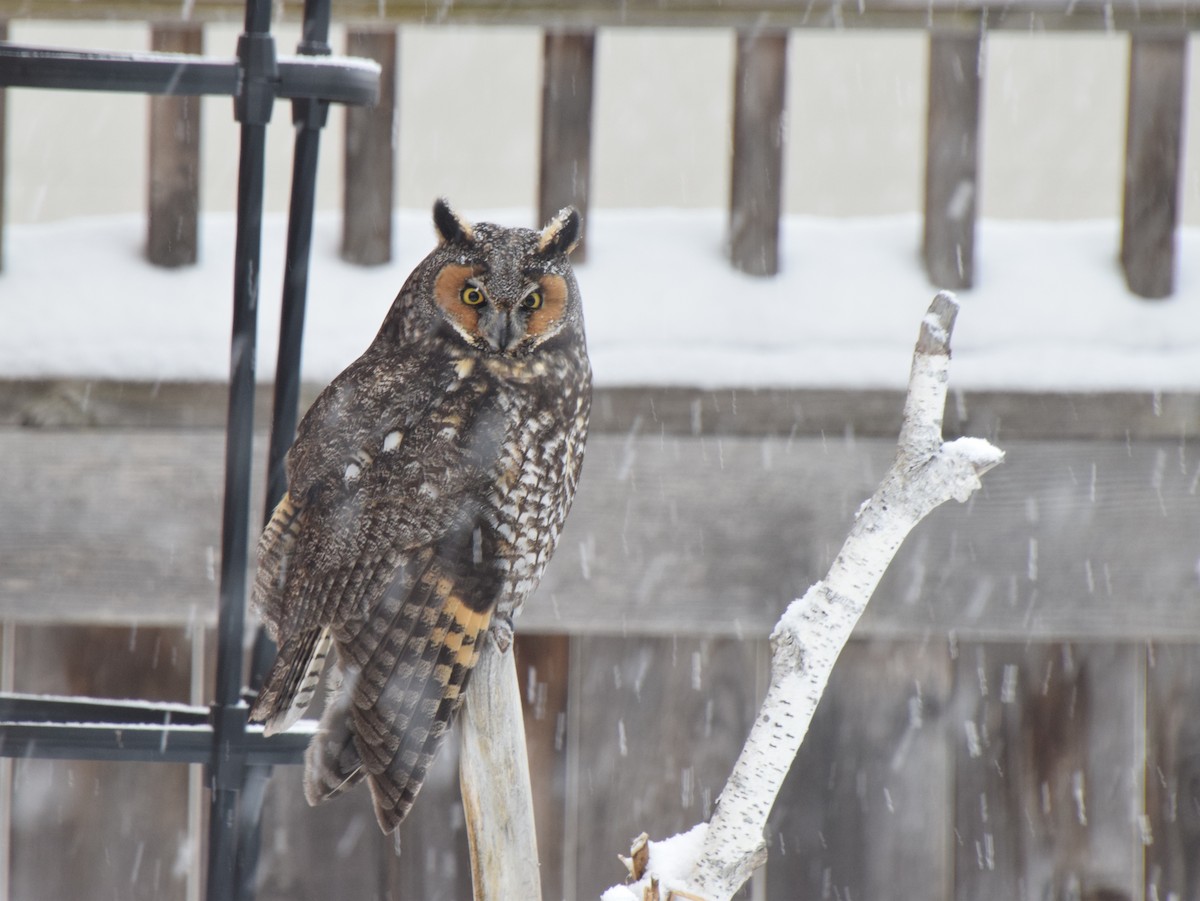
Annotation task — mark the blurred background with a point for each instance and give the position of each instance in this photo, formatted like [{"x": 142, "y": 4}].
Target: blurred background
[{"x": 1015, "y": 715}]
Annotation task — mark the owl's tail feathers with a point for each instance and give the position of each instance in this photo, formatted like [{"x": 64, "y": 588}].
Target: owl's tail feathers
[
  {"x": 401, "y": 730},
  {"x": 331, "y": 763},
  {"x": 292, "y": 682}
]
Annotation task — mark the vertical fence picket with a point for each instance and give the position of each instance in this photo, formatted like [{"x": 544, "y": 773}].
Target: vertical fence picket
[
  {"x": 1048, "y": 743},
  {"x": 371, "y": 156},
  {"x": 657, "y": 725},
  {"x": 952, "y": 158},
  {"x": 543, "y": 663},
  {"x": 864, "y": 811},
  {"x": 756, "y": 182},
  {"x": 3, "y": 151},
  {"x": 568, "y": 60},
  {"x": 1171, "y": 821},
  {"x": 1153, "y": 152},
  {"x": 174, "y": 159}
]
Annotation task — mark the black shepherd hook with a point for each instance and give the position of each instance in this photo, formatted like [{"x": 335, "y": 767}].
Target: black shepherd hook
[{"x": 238, "y": 761}]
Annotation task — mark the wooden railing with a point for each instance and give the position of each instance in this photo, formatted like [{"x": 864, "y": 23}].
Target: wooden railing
[{"x": 957, "y": 31}]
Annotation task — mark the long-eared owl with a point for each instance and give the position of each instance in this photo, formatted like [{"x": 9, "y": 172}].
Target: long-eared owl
[{"x": 427, "y": 487}]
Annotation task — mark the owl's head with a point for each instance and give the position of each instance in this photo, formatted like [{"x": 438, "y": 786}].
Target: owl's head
[{"x": 505, "y": 291}]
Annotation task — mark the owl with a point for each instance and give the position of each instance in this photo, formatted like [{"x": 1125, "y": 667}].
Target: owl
[{"x": 427, "y": 487}]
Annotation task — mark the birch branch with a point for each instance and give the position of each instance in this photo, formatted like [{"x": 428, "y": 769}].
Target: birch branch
[
  {"x": 494, "y": 776},
  {"x": 810, "y": 635}
]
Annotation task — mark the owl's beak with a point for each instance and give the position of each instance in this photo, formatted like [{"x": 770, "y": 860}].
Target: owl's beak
[{"x": 501, "y": 330}]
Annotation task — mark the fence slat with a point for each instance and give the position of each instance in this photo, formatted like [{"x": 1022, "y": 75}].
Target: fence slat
[
  {"x": 370, "y": 161},
  {"x": 3, "y": 151},
  {"x": 542, "y": 667},
  {"x": 1048, "y": 755},
  {"x": 658, "y": 724},
  {"x": 174, "y": 160},
  {"x": 566, "y": 155},
  {"x": 756, "y": 182},
  {"x": 1172, "y": 772},
  {"x": 864, "y": 812},
  {"x": 1002, "y": 567},
  {"x": 952, "y": 158},
  {"x": 1153, "y": 150},
  {"x": 100, "y": 829}
]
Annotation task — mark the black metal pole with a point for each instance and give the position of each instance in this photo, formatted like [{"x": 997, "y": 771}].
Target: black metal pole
[
  {"x": 252, "y": 106},
  {"x": 309, "y": 117}
]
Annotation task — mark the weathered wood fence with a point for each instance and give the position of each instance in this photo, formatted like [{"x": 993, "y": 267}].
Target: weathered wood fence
[
  {"x": 1015, "y": 719},
  {"x": 1154, "y": 131}
]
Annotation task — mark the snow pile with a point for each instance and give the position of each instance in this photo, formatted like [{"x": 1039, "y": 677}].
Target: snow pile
[
  {"x": 671, "y": 861},
  {"x": 1051, "y": 311}
]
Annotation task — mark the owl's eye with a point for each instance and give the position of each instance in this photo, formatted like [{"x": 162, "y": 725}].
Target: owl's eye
[
  {"x": 533, "y": 300},
  {"x": 471, "y": 296}
]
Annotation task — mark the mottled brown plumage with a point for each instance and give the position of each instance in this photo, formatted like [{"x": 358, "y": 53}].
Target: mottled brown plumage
[{"x": 427, "y": 487}]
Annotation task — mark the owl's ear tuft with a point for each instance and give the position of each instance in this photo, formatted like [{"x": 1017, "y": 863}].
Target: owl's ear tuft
[
  {"x": 451, "y": 226},
  {"x": 562, "y": 233}
]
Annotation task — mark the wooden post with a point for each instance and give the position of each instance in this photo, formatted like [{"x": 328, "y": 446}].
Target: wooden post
[
  {"x": 494, "y": 775},
  {"x": 371, "y": 156},
  {"x": 1153, "y": 149},
  {"x": 952, "y": 159},
  {"x": 174, "y": 162},
  {"x": 756, "y": 183},
  {"x": 568, "y": 64}
]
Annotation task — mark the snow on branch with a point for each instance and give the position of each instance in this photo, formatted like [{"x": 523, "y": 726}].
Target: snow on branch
[{"x": 810, "y": 635}]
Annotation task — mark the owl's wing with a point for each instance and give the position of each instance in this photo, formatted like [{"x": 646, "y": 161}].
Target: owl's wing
[
  {"x": 336, "y": 535},
  {"x": 391, "y": 554},
  {"x": 405, "y": 668}
]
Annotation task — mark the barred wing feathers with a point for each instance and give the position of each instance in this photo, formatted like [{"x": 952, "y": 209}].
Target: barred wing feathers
[{"x": 405, "y": 671}]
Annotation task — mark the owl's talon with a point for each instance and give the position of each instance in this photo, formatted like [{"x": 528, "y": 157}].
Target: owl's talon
[{"x": 502, "y": 631}]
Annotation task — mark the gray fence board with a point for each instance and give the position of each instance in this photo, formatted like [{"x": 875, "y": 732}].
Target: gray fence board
[
  {"x": 756, "y": 177},
  {"x": 952, "y": 158},
  {"x": 370, "y": 156},
  {"x": 658, "y": 724},
  {"x": 90, "y": 829},
  {"x": 1172, "y": 800},
  {"x": 795, "y": 412},
  {"x": 1153, "y": 162},
  {"x": 543, "y": 668},
  {"x": 173, "y": 219},
  {"x": 1048, "y": 771},
  {"x": 564, "y": 177},
  {"x": 864, "y": 811},
  {"x": 1067, "y": 539}
]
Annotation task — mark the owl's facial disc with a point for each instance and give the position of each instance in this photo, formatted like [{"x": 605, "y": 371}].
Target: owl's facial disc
[{"x": 514, "y": 324}]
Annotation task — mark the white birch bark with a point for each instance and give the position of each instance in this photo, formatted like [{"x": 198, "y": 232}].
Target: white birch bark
[{"x": 813, "y": 630}]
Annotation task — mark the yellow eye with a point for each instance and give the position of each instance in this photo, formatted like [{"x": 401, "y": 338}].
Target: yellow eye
[
  {"x": 532, "y": 300},
  {"x": 471, "y": 296}
]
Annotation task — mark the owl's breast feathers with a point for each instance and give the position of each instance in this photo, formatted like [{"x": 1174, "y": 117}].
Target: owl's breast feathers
[{"x": 424, "y": 491}]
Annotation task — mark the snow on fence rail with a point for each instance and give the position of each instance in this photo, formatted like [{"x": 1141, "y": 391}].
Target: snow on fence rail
[{"x": 957, "y": 33}]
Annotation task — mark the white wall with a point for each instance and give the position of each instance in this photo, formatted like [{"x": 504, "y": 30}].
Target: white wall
[{"x": 1053, "y": 119}]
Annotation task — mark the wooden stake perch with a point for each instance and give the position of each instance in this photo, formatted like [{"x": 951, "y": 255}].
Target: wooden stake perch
[
  {"x": 494, "y": 775},
  {"x": 813, "y": 630}
]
